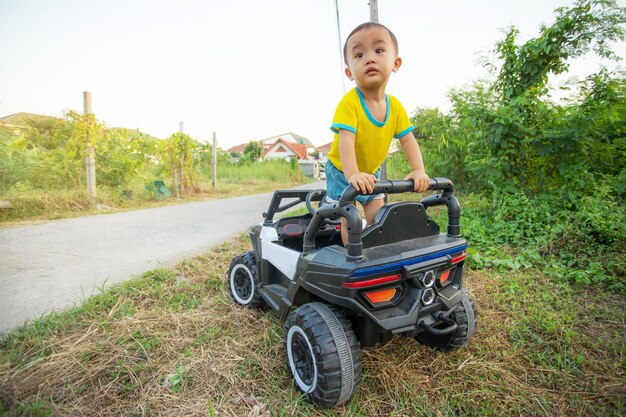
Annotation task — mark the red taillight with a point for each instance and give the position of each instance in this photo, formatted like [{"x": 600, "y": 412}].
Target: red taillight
[
  {"x": 459, "y": 258},
  {"x": 380, "y": 296},
  {"x": 372, "y": 282}
]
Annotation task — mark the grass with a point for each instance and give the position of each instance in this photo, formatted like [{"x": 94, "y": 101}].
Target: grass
[
  {"x": 171, "y": 342},
  {"x": 32, "y": 205}
]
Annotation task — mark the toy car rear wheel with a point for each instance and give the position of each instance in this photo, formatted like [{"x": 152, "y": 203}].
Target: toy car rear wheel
[
  {"x": 244, "y": 281},
  {"x": 464, "y": 314},
  {"x": 323, "y": 354}
]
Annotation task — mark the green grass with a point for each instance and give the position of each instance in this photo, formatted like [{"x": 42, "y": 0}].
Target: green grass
[
  {"x": 541, "y": 348},
  {"x": 30, "y": 203}
]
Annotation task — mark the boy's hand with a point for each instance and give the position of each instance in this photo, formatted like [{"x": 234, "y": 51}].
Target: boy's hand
[
  {"x": 420, "y": 180},
  {"x": 362, "y": 182}
]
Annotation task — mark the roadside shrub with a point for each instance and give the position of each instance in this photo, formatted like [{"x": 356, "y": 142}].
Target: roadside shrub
[{"x": 577, "y": 240}]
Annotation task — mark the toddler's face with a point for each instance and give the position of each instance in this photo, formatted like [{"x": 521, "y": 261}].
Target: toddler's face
[{"x": 372, "y": 57}]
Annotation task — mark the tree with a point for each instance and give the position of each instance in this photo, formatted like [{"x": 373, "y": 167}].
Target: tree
[
  {"x": 178, "y": 151},
  {"x": 253, "y": 151},
  {"x": 514, "y": 136},
  {"x": 589, "y": 26},
  {"x": 551, "y": 174}
]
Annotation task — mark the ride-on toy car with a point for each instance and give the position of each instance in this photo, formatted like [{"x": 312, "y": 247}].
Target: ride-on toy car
[{"x": 397, "y": 276}]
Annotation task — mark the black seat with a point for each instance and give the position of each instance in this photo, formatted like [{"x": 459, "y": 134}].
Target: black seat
[{"x": 397, "y": 222}]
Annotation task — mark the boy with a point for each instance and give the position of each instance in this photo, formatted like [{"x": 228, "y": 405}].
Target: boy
[{"x": 367, "y": 119}]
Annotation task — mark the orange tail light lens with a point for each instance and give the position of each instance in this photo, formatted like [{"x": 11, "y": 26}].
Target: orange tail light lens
[
  {"x": 444, "y": 277},
  {"x": 380, "y": 296}
]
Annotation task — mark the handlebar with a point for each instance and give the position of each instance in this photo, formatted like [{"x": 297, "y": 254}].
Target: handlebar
[
  {"x": 346, "y": 208},
  {"x": 394, "y": 187}
]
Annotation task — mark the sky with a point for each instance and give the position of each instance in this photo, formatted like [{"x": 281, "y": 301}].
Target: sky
[{"x": 245, "y": 69}]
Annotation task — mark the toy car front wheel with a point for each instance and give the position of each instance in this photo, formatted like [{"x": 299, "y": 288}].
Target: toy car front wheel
[
  {"x": 464, "y": 314},
  {"x": 244, "y": 282},
  {"x": 323, "y": 354}
]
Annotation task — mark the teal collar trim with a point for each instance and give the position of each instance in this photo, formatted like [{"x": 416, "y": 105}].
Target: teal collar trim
[{"x": 367, "y": 111}]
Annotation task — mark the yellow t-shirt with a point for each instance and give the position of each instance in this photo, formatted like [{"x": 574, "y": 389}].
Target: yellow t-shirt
[{"x": 372, "y": 137}]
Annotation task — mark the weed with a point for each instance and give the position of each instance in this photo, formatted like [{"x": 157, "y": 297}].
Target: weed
[
  {"x": 36, "y": 409},
  {"x": 177, "y": 381},
  {"x": 540, "y": 348}
]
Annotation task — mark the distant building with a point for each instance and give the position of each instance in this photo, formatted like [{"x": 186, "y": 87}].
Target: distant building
[
  {"x": 289, "y": 145},
  {"x": 286, "y": 146},
  {"x": 288, "y": 137},
  {"x": 322, "y": 152},
  {"x": 281, "y": 148},
  {"x": 237, "y": 149}
]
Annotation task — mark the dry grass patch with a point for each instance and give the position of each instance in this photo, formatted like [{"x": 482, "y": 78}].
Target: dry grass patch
[{"x": 172, "y": 343}]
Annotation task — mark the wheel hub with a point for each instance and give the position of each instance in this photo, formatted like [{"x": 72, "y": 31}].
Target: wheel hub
[
  {"x": 301, "y": 359},
  {"x": 241, "y": 284}
]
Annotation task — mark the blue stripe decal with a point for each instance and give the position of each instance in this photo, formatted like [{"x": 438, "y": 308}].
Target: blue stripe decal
[
  {"x": 404, "y": 132},
  {"x": 336, "y": 126},
  {"x": 367, "y": 111},
  {"x": 359, "y": 273}
]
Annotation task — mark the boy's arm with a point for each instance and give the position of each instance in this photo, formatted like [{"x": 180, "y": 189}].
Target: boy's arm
[
  {"x": 361, "y": 181},
  {"x": 414, "y": 156}
]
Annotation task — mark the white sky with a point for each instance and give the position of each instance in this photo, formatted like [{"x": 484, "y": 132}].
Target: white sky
[{"x": 247, "y": 69}]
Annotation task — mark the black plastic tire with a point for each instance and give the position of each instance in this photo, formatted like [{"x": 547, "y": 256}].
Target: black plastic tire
[
  {"x": 323, "y": 354},
  {"x": 464, "y": 314},
  {"x": 244, "y": 281}
]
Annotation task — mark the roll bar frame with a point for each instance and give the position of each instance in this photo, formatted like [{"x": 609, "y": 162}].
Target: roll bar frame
[{"x": 346, "y": 208}]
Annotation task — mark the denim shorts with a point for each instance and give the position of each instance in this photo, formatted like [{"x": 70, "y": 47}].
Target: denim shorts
[{"x": 336, "y": 182}]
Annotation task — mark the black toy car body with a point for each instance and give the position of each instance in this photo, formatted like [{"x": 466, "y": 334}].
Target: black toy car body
[{"x": 399, "y": 275}]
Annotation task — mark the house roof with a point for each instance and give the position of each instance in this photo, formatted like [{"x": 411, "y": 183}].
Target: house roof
[
  {"x": 289, "y": 137},
  {"x": 238, "y": 148},
  {"x": 324, "y": 147},
  {"x": 297, "y": 148}
]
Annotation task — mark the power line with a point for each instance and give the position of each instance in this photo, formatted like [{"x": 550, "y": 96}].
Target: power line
[{"x": 340, "y": 47}]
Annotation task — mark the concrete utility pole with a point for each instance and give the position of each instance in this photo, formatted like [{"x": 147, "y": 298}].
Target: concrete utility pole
[
  {"x": 374, "y": 11},
  {"x": 214, "y": 161},
  {"x": 90, "y": 160},
  {"x": 176, "y": 178},
  {"x": 374, "y": 18}
]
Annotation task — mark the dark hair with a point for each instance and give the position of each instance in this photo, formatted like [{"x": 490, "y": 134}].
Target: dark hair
[{"x": 367, "y": 25}]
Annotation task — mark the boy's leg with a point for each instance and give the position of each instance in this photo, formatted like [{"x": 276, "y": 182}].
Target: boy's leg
[{"x": 372, "y": 208}]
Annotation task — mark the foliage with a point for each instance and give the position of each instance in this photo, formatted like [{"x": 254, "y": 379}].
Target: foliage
[
  {"x": 581, "y": 244},
  {"x": 548, "y": 176},
  {"x": 273, "y": 170},
  {"x": 50, "y": 155},
  {"x": 253, "y": 151},
  {"x": 42, "y": 167},
  {"x": 172, "y": 342},
  {"x": 177, "y": 381},
  {"x": 178, "y": 153},
  {"x": 588, "y": 26},
  {"x": 515, "y": 131}
]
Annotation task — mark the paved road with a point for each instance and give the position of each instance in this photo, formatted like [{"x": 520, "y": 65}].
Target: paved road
[{"x": 55, "y": 265}]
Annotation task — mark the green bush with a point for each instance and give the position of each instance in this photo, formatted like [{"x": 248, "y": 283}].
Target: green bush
[
  {"x": 580, "y": 243},
  {"x": 546, "y": 179}
]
